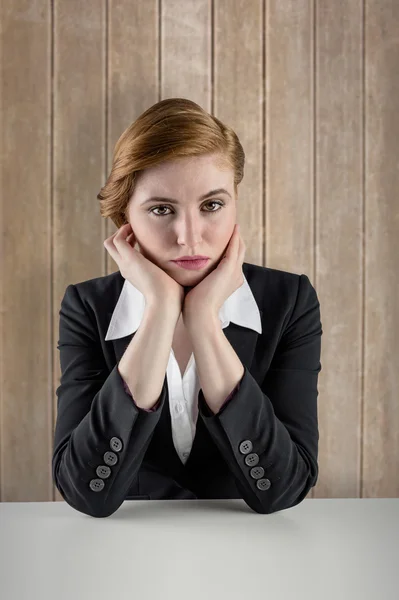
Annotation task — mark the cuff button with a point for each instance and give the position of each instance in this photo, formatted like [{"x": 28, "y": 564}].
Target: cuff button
[
  {"x": 115, "y": 444},
  {"x": 103, "y": 471},
  {"x": 245, "y": 447},
  {"x": 257, "y": 472},
  {"x": 251, "y": 459},
  {"x": 97, "y": 485},
  {"x": 263, "y": 484}
]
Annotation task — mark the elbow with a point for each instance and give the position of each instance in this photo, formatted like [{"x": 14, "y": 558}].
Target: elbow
[
  {"x": 74, "y": 497},
  {"x": 294, "y": 498},
  {"x": 292, "y": 494},
  {"x": 84, "y": 506}
]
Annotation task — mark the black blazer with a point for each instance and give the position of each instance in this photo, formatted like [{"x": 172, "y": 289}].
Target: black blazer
[{"x": 107, "y": 450}]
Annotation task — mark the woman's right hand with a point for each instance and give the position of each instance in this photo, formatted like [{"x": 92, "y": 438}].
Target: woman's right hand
[{"x": 153, "y": 282}]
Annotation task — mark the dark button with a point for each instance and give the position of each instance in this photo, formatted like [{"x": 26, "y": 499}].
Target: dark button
[
  {"x": 257, "y": 472},
  {"x": 251, "y": 459},
  {"x": 246, "y": 446},
  {"x": 97, "y": 485},
  {"x": 263, "y": 484},
  {"x": 103, "y": 471},
  {"x": 110, "y": 458},
  {"x": 115, "y": 444}
]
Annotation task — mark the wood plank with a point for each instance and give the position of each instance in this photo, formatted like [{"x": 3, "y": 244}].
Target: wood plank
[
  {"x": 26, "y": 396},
  {"x": 381, "y": 342},
  {"x": 133, "y": 74},
  {"x": 289, "y": 201},
  {"x": 239, "y": 102},
  {"x": 339, "y": 200},
  {"x": 78, "y": 151}
]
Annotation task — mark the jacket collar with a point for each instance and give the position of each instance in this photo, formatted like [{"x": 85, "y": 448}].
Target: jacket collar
[{"x": 239, "y": 308}]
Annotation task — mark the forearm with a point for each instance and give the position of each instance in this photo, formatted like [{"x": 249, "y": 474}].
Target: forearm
[
  {"x": 143, "y": 365},
  {"x": 218, "y": 366}
]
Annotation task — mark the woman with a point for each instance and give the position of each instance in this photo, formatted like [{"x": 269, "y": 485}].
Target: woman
[{"x": 187, "y": 373}]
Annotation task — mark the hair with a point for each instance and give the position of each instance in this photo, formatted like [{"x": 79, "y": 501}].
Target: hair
[{"x": 170, "y": 129}]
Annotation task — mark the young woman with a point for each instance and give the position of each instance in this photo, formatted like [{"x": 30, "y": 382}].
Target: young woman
[{"x": 188, "y": 373}]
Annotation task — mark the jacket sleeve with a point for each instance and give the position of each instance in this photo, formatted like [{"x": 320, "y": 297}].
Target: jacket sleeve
[
  {"x": 95, "y": 416},
  {"x": 278, "y": 418},
  {"x": 126, "y": 388}
]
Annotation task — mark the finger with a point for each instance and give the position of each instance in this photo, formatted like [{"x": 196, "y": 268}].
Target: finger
[
  {"x": 121, "y": 235},
  {"x": 123, "y": 231},
  {"x": 242, "y": 251},
  {"x": 234, "y": 236},
  {"x": 111, "y": 237},
  {"x": 110, "y": 245},
  {"x": 237, "y": 240},
  {"x": 112, "y": 251}
]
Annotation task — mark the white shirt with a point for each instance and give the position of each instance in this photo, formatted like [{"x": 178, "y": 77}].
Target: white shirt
[{"x": 240, "y": 307}]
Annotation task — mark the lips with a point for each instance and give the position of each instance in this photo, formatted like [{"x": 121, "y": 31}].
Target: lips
[
  {"x": 192, "y": 264},
  {"x": 191, "y": 258}
]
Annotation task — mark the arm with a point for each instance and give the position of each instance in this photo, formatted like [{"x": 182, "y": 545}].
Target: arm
[
  {"x": 279, "y": 417},
  {"x": 94, "y": 412},
  {"x": 219, "y": 368},
  {"x": 159, "y": 401},
  {"x": 148, "y": 352}
]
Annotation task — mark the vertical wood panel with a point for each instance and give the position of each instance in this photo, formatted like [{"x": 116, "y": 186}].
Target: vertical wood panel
[
  {"x": 289, "y": 138},
  {"x": 289, "y": 144},
  {"x": 239, "y": 102},
  {"x": 381, "y": 369},
  {"x": 133, "y": 38},
  {"x": 79, "y": 143},
  {"x": 339, "y": 193},
  {"x": 185, "y": 50},
  {"x": 26, "y": 395}
]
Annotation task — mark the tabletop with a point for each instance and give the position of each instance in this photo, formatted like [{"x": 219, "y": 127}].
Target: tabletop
[{"x": 215, "y": 549}]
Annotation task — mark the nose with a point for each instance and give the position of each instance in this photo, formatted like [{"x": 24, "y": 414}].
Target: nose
[{"x": 189, "y": 232}]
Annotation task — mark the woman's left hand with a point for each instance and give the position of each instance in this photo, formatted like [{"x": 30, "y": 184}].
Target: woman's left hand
[{"x": 209, "y": 295}]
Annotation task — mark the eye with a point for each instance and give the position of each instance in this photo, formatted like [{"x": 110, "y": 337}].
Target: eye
[{"x": 151, "y": 210}]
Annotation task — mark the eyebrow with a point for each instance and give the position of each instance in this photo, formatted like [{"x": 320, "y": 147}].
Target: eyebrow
[{"x": 172, "y": 201}]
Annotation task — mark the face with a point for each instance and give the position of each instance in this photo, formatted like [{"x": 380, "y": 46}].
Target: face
[{"x": 166, "y": 231}]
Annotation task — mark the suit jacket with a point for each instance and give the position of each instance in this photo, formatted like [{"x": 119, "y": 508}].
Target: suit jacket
[
  {"x": 240, "y": 307},
  {"x": 261, "y": 447}
]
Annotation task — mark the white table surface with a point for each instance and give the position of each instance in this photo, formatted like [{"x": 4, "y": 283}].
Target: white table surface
[{"x": 341, "y": 549}]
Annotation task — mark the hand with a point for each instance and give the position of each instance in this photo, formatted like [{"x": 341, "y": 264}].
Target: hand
[
  {"x": 215, "y": 288},
  {"x": 146, "y": 276}
]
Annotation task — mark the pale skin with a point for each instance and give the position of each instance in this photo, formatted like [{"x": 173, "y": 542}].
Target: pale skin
[{"x": 187, "y": 228}]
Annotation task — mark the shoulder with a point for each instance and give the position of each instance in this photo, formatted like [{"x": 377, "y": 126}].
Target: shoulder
[
  {"x": 100, "y": 285},
  {"x": 265, "y": 281},
  {"x": 96, "y": 294},
  {"x": 279, "y": 292}
]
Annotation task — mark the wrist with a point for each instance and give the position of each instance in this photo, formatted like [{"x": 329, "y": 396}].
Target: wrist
[
  {"x": 200, "y": 319},
  {"x": 167, "y": 308}
]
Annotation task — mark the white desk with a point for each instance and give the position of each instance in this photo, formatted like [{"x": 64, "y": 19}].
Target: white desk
[{"x": 341, "y": 549}]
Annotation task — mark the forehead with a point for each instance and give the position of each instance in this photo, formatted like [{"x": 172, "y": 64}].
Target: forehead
[{"x": 184, "y": 175}]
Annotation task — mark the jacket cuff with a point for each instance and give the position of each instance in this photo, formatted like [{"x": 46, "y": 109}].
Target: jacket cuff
[
  {"x": 154, "y": 408},
  {"x": 157, "y": 404}
]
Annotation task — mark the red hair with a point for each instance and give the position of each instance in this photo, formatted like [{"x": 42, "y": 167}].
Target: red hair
[{"x": 170, "y": 129}]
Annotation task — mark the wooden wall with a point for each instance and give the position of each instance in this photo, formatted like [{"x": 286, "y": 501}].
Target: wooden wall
[{"x": 312, "y": 90}]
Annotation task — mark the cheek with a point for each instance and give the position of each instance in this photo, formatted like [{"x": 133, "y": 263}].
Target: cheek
[
  {"x": 226, "y": 233},
  {"x": 148, "y": 235}
]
